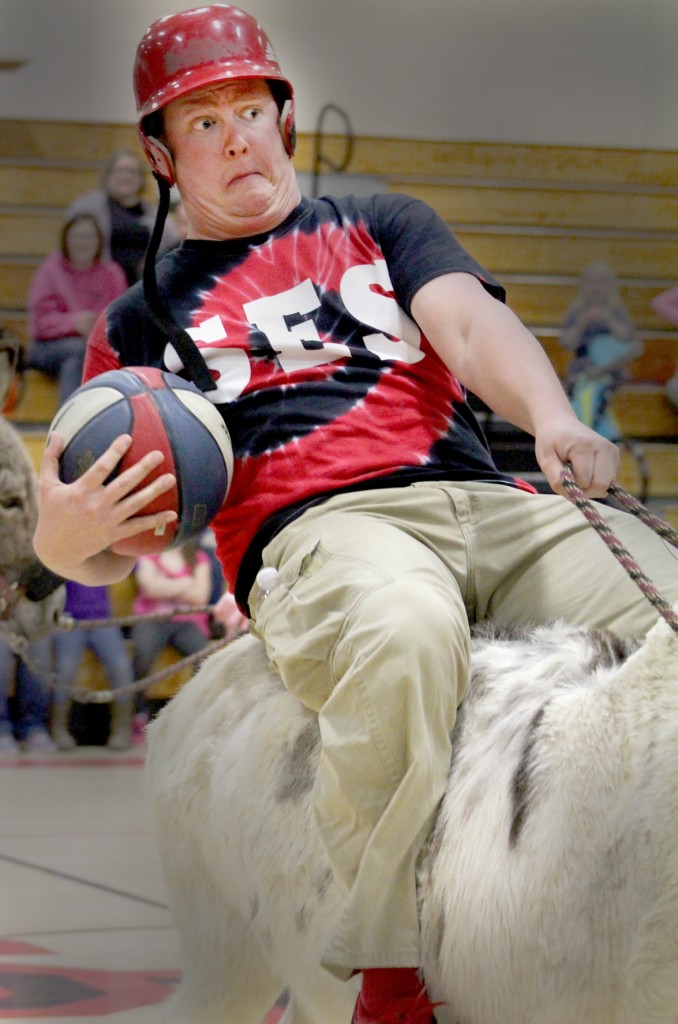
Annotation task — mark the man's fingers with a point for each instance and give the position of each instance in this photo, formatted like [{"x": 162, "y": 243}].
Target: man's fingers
[
  {"x": 55, "y": 445},
  {"x": 132, "y": 477},
  {"x": 140, "y": 524},
  {"x": 116, "y": 506},
  {"x": 123, "y": 484},
  {"x": 133, "y": 505},
  {"x": 49, "y": 463},
  {"x": 594, "y": 470},
  {"x": 135, "y": 502},
  {"x": 106, "y": 463}
]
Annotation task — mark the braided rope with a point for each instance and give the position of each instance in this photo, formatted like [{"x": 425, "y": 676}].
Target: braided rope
[
  {"x": 87, "y": 696},
  {"x": 632, "y": 505},
  {"x": 20, "y": 645},
  {"x": 621, "y": 553},
  {"x": 67, "y": 622}
]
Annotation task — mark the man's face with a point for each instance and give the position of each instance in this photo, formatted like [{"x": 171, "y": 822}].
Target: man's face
[{"x": 233, "y": 173}]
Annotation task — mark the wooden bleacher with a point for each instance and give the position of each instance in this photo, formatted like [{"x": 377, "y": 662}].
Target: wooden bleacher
[{"x": 533, "y": 215}]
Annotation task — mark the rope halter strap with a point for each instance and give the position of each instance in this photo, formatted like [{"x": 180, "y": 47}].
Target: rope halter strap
[{"x": 628, "y": 563}]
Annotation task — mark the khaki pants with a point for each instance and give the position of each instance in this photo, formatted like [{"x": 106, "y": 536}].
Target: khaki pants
[{"x": 370, "y": 629}]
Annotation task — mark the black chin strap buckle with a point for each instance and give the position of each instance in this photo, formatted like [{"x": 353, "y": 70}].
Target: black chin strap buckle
[{"x": 187, "y": 350}]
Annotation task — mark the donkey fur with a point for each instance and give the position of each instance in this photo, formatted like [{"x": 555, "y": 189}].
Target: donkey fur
[
  {"x": 18, "y": 517},
  {"x": 548, "y": 889}
]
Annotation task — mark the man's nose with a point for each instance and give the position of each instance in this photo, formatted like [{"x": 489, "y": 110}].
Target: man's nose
[{"x": 235, "y": 142}]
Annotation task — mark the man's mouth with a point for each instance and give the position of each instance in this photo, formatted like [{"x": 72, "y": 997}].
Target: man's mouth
[{"x": 242, "y": 177}]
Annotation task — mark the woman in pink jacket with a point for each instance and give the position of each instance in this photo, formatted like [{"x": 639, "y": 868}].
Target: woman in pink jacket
[{"x": 67, "y": 293}]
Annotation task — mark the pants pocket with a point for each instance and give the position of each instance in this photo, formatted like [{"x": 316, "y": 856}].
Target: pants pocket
[{"x": 301, "y": 621}]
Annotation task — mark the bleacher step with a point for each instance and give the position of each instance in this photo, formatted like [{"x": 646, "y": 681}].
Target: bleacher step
[{"x": 577, "y": 207}]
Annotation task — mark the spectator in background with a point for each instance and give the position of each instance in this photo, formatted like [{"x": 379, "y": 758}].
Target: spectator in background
[
  {"x": 124, "y": 216},
  {"x": 207, "y": 543},
  {"x": 175, "y": 578},
  {"x": 108, "y": 643},
  {"x": 66, "y": 295},
  {"x": 12, "y": 363},
  {"x": 599, "y": 331},
  {"x": 227, "y": 614},
  {"x": 26, "y": 727},
  {"x": 665, "y": 305}
]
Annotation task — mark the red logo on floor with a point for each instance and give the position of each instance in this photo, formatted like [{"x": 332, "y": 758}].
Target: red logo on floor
[{"x": 36, "y": 991}]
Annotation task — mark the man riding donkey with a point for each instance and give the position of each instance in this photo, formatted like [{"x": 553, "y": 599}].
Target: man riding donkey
[{"x": 338, "y": 336}]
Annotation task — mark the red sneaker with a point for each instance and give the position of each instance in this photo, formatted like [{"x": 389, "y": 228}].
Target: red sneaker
[{"x": 407, "y": 1010}]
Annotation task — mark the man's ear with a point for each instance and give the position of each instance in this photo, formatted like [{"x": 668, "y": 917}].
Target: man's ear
[
  {"x": 287, "y": 127},
  {"x": 160, "y": 158}
]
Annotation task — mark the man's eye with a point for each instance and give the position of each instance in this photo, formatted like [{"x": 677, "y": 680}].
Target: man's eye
[
  {"x": 252, "y": 113},
  {"x": 203, "y": 123}
]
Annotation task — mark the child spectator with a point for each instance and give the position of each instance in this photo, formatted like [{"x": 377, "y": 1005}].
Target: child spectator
[
  {"x": 666, "y": 306},
  {"x": 108, "y": 643},
  {"x": 27, "y": 727},
  {"x": 599, "y": 331},
  {"x": 66, "y": 295},
  {"x": 175, "y": 578}
]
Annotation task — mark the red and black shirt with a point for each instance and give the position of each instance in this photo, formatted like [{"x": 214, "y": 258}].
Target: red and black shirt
[{"x": 325, "y": 382}]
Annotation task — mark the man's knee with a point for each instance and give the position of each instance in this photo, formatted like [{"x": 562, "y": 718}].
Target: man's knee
[
  {"x": 417, "y": 614},
  {"x": 413, "y": 631}
]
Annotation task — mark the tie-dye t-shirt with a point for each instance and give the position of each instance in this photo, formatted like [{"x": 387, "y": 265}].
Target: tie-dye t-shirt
[{"x": 325, "y": 382}]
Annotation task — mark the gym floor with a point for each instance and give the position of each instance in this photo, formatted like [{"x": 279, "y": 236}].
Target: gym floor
[{"x": 85, "y": 931}]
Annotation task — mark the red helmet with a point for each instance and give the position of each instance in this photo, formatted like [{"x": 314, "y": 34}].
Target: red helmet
[{"x": 185, "y": 51}]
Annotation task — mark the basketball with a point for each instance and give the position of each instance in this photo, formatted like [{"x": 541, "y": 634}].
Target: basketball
[{"x": 160, "y": 411}]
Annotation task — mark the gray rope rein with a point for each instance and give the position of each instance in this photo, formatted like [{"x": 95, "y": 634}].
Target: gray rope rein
[
  {"x": 621, "y": 553},
  {"x": 107, "y": 696},
  {"x": 573, "y": 492},
  {"x": 86, "y": 696}
]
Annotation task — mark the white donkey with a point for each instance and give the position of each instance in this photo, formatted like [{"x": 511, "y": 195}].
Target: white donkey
[
  {"x": 31, "y": 597},
  {"x": 549, "y": 889}
]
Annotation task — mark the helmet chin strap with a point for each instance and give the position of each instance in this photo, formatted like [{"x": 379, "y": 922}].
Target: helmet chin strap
[{"x": 189, "y": 353}]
